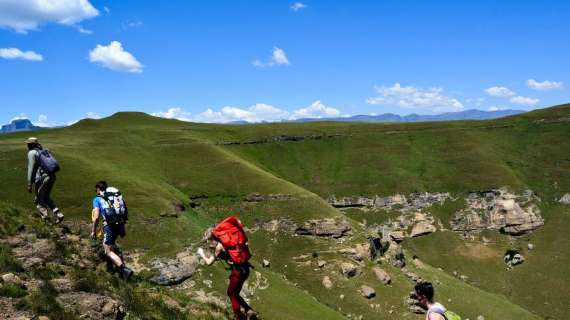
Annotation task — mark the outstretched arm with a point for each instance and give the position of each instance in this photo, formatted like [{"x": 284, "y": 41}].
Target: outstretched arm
[{"x": 210, "y": 260}]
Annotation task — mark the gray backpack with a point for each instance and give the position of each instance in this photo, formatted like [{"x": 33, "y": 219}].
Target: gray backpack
[{"x": 47, "y": 162}]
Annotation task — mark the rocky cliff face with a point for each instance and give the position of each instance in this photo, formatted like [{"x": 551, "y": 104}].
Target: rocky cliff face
[
  {"x": 414, "y": 201},
  {"x": 18, "y": 125},
  {"x": 499, "y": 209}
]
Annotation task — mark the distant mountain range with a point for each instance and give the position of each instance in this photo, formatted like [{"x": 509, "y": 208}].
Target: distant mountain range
[
  {"x": 19, "y": 125},
  {"x": 471, "y": 114}
]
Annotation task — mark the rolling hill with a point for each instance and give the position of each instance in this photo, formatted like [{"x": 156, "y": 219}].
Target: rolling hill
[{"x": 284, "y": 174}]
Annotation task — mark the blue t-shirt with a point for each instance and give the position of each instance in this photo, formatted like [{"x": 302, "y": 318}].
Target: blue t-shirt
[{"x": 98, "y": 204}]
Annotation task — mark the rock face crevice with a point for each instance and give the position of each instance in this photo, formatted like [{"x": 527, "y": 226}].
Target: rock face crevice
[{"x": 499, "y": 209}]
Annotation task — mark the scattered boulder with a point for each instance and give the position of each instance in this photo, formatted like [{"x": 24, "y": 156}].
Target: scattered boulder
[
  {"x": 327, "y": 283},
  {"x": 92, "y": 306},
  {"x": 422, "y": 228},
  {"x": 382, "y": 275},
  {"x": 349, "y": 270},
  {"x": 530, "y": 246},
  {"x": 367, "y": 292},
  {"x": 395, "y": 255},
  {"x": 12, "y": 279},
  {"x": 266, "y": 263},
  {"x": 565, "y": 199},
  {"x": 321, "y": 263}
]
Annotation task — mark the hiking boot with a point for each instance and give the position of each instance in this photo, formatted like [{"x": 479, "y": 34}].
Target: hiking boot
[
  {"x": 126, "y": 273},
  {"x": 43, "y": 212},
  {"x": 251, "y": 315},
  {"x": 58, "y": 216}
]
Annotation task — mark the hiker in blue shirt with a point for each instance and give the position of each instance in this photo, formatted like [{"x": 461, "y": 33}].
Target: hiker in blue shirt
[{"x": 111, "y": 229}]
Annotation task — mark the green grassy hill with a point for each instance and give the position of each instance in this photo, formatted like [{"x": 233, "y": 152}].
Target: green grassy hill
[{"x": 159, "y": 163}]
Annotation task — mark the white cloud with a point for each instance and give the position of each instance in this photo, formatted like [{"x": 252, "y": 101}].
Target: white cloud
[
  {"x": 316, "y": 110},
  {"x": 257, "y": 113},
  {"x": 43, "y": 121},
  {"x": 174, "y": 113},
  {"x": 501, "y": 92},
  {"x": 133, "y": 24},
  {"x": 15, "y": 53},
  {"x": 260, "y": 112},
  {"x": 524, "y": 101},
  {"x": 28, "y": 15},
  {"x": 297, "y": 6},
  {"x": 544, "y": 85},
  {"x": 432, "y": 99},
  {"x": 114, "y": 57},
  {"x": 92, "y": 115},
  {"x": 278, "y": 58},
  {"x": 83, "y": 30}
]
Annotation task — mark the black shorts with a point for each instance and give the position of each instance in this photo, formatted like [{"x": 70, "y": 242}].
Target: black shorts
[{"x": 111, "y": 233}]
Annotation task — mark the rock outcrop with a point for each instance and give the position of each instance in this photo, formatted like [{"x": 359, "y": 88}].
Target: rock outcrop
[
  {"x": 498, "y": 209},
  {"x": 422, "y": 228},
  {"x": 174, "y": 271},
  {"x": 325, "y": 228},
  {"x": 400, "y": 202},
  {"x": 335, "y": 228}
]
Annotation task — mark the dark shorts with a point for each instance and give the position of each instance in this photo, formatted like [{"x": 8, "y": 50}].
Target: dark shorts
[{"x": 111, "y": 233}]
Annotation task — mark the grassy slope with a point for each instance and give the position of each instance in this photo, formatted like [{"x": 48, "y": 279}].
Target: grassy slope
[{"x": 156, "y": 162}]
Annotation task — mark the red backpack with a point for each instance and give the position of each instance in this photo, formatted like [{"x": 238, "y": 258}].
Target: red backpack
[{"x": 231, "y": 235}]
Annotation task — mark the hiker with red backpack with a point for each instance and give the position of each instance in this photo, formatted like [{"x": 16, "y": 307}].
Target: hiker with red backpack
[
  {"x": 42, "y": 167},
  {"x": 232, "y": 247}
]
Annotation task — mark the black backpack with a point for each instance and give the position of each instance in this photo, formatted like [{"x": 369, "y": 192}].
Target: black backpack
[{"x": 47, "y": 162}]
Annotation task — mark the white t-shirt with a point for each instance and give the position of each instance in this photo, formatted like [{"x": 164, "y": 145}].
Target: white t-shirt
[{"x": 435, "y": 308}]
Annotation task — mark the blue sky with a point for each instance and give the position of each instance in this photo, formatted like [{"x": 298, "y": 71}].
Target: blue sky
[{"x": 256, "y": 60}]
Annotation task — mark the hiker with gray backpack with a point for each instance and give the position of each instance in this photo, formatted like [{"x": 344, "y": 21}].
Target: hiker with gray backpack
[
  {"x": 42, "y": 167},
  {"x": 110, "y": 207}
]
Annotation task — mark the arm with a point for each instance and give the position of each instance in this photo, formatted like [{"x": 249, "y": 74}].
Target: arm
[
  {"x": 95, "y": 219},
  {"x": 32, "y": 168},
  {"x": 210, "y": 260}
]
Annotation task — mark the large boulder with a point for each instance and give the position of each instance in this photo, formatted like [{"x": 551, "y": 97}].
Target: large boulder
[
  {"x": 367, "y": 292},
  {"x": 174, "y": 271},
  {"x": 382, "y": 275},
  {"x": 422, "y": 228},
  {"x": 325, "y": 228},
  {"x": 349, "y": 270}
]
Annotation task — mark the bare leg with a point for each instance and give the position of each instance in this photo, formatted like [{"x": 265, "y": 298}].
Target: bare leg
[{"x": 113, "y": 256}]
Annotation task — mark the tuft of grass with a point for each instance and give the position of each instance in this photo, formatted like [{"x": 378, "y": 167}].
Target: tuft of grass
[{"x": 11, "y": 291}]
